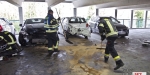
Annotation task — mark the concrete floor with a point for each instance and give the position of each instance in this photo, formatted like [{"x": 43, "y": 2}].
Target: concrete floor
[{"x": 82, "y": 57}]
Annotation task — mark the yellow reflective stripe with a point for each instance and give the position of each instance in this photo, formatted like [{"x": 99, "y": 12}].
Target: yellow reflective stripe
[
  {"x": 107, "y": 55},
  {"x": 109, "y": 25},
  {"x": 117, "y": 58},
  {"x": 11, "y": 40},
  {"x": 50, "y": 48},
  {"x": 1, "y": 37},
  {"x": 111, "y": 33},
  {"x": 56, "y": 45},
  {"x": 9, "y": 48},
  {"x": 101, "y": 25},
  {"x": 49, "y": 31}
]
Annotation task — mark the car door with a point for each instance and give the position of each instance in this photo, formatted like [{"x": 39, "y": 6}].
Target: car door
[{"x": 5, "y": 26}]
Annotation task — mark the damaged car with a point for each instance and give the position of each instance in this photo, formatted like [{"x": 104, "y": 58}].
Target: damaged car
[
  {"x": 32, "y": 32},
  {"x": 75, "y": 26}
]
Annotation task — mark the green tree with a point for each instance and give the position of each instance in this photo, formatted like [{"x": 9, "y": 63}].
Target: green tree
[
  {"x": 139, "y": 15},
  {"x": 30, "y": 10},
  {"x": 90, "y": 12}
]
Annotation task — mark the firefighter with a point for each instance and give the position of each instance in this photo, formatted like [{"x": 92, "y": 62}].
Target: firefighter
[
  {"x": 10, "y": 39},
  {"x": 108, "y": 30},
  {"x": 51, "y": 27}
]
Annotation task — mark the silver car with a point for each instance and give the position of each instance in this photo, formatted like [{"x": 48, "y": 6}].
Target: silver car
[{"x": 7, "y": 26}]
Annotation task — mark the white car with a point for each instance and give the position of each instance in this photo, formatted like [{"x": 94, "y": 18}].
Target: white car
[
  {"x": 7, "y": 26},
  {"x": 75, "y": 26}
]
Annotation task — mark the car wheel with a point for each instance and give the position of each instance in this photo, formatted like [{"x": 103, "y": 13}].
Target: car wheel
[
  {"x": 86, "y": 37},
  {"x": 21, "y": 40}
]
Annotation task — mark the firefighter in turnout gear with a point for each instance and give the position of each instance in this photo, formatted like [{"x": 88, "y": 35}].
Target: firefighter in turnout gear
[
  {"x": 11, "y": 45},
  {"x": 108, "y": 30},
  {"x": 51, "y": 27}
]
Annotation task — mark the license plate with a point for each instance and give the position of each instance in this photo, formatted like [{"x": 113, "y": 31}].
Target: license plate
[{"x": 122, "y": 32}]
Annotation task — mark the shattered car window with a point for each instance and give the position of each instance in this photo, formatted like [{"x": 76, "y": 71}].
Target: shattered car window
[
  {"x": 32, "y": 21},
  {"x": 77, "y": 20}
]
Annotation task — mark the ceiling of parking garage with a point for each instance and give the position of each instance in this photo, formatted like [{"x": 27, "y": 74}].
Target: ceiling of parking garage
[{"x": 119, "y": 4}]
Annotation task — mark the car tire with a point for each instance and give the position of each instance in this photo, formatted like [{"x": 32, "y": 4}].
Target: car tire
[
  {"x": 21, "y": 40},
  {"x": 122, "y": 36},
  {"x": 86, "y": 37}
]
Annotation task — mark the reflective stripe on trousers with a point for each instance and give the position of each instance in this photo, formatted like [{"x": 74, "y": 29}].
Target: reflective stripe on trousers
[
  {"x": 106, "y": 55},
  {"x": 117, "y": 58},
  {"x": 56, "y": 47}
]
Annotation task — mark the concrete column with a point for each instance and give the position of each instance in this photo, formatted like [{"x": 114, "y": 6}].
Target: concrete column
[
  {"x": 49, "y": 8},
  {"x": 146, "y": 14},
  {"x": 75, "y": 12},
  {"x": 20, "y": 15},
  {"x": 131, "y": 18},
  {"x": 116, "y": 13},
  {"x": 97, "y": 12}
]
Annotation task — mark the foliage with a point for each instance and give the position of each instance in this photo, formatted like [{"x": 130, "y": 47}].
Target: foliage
[
  {"x": 90, "y": 12},
  {"x": 30, "y": 11},
  {"x": 139, "y": 14}
]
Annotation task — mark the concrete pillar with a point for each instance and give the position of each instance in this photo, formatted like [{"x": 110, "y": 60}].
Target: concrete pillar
[
  {"x": 116, "y": 12},
  {"x": 20, "y": 15},
  {"x": 75, "y": 12},
  {"x": 49, "y": 8},
  {"x": 146, "y": 15},
  {"x": 97, "y": 12},
  {"x": 131, "y": 18}
]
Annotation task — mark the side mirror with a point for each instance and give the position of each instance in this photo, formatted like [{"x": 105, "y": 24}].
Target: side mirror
[
  {"x": 118, "y": 21},
  {"x": 20, "y": 24},
  {"x": 10, "y": 24}
]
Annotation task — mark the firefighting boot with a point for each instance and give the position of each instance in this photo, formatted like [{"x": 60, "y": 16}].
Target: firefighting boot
[
  {"x": 56, "y": 50},
  {"x": 119, "y": 64},
  {"x": 50, "y": 52},
  {"x": 106, "y": 59}
]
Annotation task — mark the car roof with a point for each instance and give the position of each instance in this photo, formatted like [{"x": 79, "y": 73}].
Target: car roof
[
  {"x": 73, "y": 17},
  {"x": 34, "y": 18}
]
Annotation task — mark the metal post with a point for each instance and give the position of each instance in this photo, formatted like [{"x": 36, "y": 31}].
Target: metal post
[
  {"x": 131, "y": 18},
  {"x": 97, "y": 12},
  {"x": 116, "y": 12},
  {"x": 49, "y": 8},
  {"x": 20, "y": 15},
  {"x": 75, "y": 12},
  {"x": 146, "y": 14}
]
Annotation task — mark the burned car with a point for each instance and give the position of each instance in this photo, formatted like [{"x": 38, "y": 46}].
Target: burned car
[
  {"x": 32, "y": 32},
  {"x": 75, "y": 26}
]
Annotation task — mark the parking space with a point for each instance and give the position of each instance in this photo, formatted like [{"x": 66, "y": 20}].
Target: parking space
[{"x": 82, "y": 57}]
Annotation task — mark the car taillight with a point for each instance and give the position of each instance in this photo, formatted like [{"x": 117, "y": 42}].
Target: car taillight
[
  {"x": 87, "y": 25},
  {"x": 1, "y": 28}
]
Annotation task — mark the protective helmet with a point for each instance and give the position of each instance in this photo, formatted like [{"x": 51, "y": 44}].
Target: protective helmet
[{"x": 1, "y": 28}]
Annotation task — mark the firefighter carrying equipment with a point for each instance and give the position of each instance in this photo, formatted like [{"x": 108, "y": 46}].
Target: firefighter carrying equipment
[
  {"x": 107, "y": 27},
  {"x": 53, "y": 27}
]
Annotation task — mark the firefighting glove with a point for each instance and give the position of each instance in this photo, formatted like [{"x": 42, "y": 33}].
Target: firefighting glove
[
  {"x": 58, "y": 18},
  {"x": 103, "y": 37}
]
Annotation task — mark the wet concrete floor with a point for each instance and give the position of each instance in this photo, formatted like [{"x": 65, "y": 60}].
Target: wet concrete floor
[{"x": 82, "y": 57}]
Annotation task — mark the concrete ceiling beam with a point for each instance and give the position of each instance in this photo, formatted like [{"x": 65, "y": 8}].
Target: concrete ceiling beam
[
  {"x": 123, "y": 3},
  {"x": 53, "y": 2},
  {"x": 17, "y": 3},
  {"x": 81, "y": 3}
]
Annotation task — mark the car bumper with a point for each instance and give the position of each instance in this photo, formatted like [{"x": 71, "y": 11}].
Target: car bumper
[{"x": 123, "y": 32}]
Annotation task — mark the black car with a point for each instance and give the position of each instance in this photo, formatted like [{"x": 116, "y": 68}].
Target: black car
[
  {"x": 32, "y": 32},
  {"x": 122, "y": 29}
]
